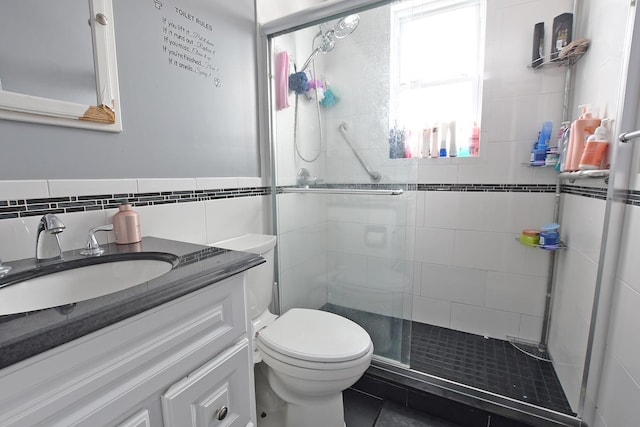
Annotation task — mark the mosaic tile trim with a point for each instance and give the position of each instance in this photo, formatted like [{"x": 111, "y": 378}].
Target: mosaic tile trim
[
  {"x": 591, "y": 192},
  {"x": 632, "y": 197},
  {"x": 57, "y": 205},
  {"x": 489, "y": 188}
]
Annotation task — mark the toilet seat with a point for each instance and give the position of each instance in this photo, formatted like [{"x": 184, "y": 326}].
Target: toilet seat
[{"x": 315, "y": 339}]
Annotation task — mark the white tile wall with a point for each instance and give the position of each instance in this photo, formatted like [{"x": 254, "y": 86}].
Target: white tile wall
[
  {"x": 575, "y": 280},
  {"x": 620, "y": 382},
  {"x": 14, "y": 190},
  {"x": 197, "y": 222}
]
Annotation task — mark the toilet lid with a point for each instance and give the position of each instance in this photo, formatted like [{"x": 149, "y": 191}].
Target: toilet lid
[{"x": 316, "y": 336}]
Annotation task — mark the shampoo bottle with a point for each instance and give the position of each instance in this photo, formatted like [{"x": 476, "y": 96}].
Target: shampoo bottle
[
  {"x": 444, "y": 127},
  {"x": 580, "y": 130},
  {"x": 126, "y": 225},
  {"x": 435, "y": 143},
  {"x": 596, "y": 149},
  {"x": 453, "y": 146},
  {"x": 474, "y": 141}
]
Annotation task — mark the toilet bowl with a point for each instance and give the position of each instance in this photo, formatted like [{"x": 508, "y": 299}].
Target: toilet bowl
[{"x": 307, "y": 357}]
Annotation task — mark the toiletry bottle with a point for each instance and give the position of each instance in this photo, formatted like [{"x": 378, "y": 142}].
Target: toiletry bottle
[
  {"x": 424, "y": 142},
  {"x": 435, "y": 143},
  {"x": 540, "y": 153},
  {"x": 563, "y": 142},
  {"x": 596, "y": 149},
  {"x": 474, "y": 141},
  {"x": 444, "y": 127},
  {"x": 453, "y": 146},
  {"x": 581, "y": 129},
  {"x": 126, "y": 225}
]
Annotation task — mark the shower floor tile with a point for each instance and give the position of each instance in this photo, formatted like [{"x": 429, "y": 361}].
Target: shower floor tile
[{"x": 490, "y": 364}]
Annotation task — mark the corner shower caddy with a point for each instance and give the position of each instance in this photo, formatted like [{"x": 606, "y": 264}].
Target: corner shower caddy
[{"x": 539, "y": 350}]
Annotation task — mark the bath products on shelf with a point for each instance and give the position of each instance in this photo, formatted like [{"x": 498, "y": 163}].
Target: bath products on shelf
[
  {"x": 563, "y": 143},
  {"x": 539, "y": 150},
  {"x": 126, "y": 225},
  {"x": 530, "y": 237},
  {"x": 596, "y": 149},
  {"x": 434, "y": 150},
  {"x": 581, "y": 129},
  {"x": 561, "y": 34},
  {"x": 397, "y": 143},
  {"x": 453, "y": 146},
  {"x": 549, "y": 236},
  {"x": 474, "y": 141},
  {"x": 425, "y": 142},
  {"x": 537, "y": 55},
  {"x": 444, "y": 128}
]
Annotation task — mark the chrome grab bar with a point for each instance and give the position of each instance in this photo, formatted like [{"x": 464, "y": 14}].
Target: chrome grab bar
[
  {"x": 397, "y": 192},
  {"x": 375, "y": 176},
  {"x": 628, "y": 136}
]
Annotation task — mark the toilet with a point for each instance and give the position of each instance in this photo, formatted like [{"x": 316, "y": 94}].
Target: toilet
[{"x": 304, "y": 358}]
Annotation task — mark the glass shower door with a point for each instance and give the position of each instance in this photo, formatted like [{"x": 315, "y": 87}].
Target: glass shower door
[{"x": 344, "y": 210}]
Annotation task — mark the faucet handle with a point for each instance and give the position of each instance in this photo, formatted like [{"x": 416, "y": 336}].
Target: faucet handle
[
  {"x": 4, "y": 269},
  {"x": 93, "y": 247}
]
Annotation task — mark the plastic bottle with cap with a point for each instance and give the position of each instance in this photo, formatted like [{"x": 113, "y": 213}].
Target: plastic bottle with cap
[
  {"x": 596, "y": 149},
  {"x": 474, "y": 141},
  {"x": 581, "y": 129},
  {"x": 126, "y": 225}
]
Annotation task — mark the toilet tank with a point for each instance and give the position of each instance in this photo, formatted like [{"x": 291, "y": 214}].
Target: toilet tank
[{"x": 260, "y": 278}]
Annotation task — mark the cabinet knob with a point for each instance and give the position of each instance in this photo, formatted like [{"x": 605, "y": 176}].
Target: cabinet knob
[{"x": 222, "y": 413}]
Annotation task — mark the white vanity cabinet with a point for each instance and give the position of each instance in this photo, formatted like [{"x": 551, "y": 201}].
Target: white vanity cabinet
[{"x": 184, "y": 363}]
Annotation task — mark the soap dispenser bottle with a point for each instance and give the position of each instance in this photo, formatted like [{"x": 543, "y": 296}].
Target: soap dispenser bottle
[
  {"x": 126, "y": 225},
  {"x": 596, "y": 149},
  {"x": 581, "y": 129}
]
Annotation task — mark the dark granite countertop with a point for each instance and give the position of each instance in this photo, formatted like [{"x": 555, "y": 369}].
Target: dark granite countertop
[{"x": 194, "y": 266}]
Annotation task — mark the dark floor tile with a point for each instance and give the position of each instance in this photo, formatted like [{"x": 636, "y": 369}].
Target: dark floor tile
[
  {"x": 452, "y": 411},
  {"x": 382, "y": 389},
  {"x": 486, "y": 363},
  {"x": 360, "y": 410},
  {"x": 394, "y": 415}
]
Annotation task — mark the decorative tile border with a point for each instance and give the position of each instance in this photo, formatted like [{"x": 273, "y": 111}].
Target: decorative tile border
[
  {"x": 57, "y": 205},
  {"x": 488, "y": 188},
  {"x": 40, "y": 206},
  {"x": 591, "y": 192}
]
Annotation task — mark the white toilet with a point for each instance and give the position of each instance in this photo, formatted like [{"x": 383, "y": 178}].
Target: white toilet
[{"x": 309, "y": 356}]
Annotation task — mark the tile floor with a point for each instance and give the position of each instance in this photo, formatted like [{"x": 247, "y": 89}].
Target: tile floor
[
  {"x": 362, "y": 410},
  {"x": 489, "y": 364}
]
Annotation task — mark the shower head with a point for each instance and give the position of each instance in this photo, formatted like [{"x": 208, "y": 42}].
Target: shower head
[
  {"x": 340, "y": 30},
  {"x": 346, "y": 26}
]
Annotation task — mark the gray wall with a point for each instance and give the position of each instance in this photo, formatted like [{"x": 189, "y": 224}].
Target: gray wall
[{"x": 176, "y": 123}]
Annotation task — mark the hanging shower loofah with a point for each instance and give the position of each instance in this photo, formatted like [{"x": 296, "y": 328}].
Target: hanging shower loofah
[
  {"x": 298, "y": 82},
  {"x": 330, "y": 99}
]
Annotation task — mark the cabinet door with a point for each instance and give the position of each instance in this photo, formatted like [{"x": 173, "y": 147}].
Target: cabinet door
[
  {"x": 215, "y": 395},
  {"x": 141, "y": 419}
]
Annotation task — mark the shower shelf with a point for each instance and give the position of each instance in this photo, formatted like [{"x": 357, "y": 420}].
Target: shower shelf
[{"x": 561, "y": 246}]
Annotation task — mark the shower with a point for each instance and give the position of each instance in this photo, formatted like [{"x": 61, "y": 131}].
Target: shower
[
  {"x": 328, "y": 35},
  {"x": 340, "y": 30}
]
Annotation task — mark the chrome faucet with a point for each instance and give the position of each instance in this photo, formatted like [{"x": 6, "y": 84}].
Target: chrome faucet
[
  {"x": 48, "y": 247},
  {"x": 93, "y": 247},
  {"x": 4, "y": 269},
  {"x": 304, "y": 178}
]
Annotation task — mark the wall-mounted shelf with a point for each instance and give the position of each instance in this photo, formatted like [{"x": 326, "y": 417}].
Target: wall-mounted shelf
[
  {"x": 587, "y": 174},
  {"x": 561, "y": 246}
]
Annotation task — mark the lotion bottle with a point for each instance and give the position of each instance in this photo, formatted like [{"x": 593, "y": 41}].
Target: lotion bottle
[
  {"x": 580, "y": 130},
  {"x": 435, "y": 143},
  {"x": 596, "y": 149},
  {"x": 126, "y": 225}
]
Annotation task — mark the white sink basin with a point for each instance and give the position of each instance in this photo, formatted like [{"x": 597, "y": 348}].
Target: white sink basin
[{"x": 78, "y": 284}]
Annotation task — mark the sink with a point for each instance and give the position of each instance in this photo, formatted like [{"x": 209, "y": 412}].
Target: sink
[{"x": 74, "y": 282}]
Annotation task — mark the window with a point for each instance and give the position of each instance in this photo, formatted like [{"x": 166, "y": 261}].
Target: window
[{"x": 436, "y": 73}]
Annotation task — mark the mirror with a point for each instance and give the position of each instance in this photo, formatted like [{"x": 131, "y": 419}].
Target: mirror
[{"x": 59, "y": 75}]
